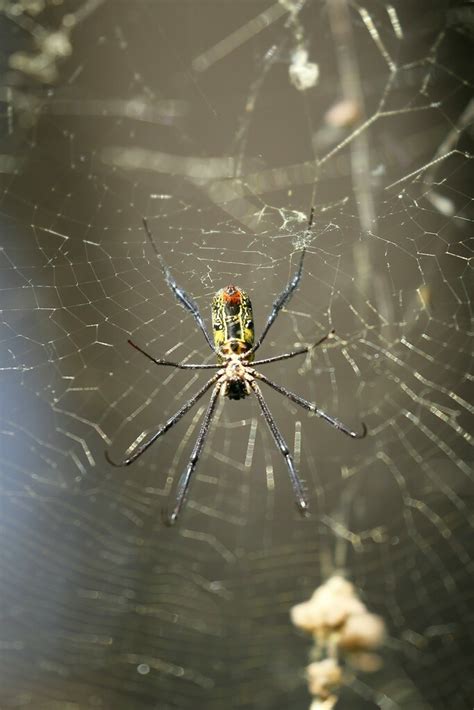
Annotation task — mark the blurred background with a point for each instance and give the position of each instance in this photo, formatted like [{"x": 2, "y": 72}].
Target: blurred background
[{"x": 223, "y": 122}]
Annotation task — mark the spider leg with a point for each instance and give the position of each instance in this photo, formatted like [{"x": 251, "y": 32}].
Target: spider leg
[
  {"x": 196, "y": 453},
  {"x": 311, "y": 407},
  {"x": 279, "y": 302},
  {"x": 301, "y": 500},
  {"x": 170, "y": 363},
  {"x": 285, "y": 295},
  {"x": 167, "y": 425},
  {"x": 186, "y": 301},
  {"x": 286, "y": 356}
]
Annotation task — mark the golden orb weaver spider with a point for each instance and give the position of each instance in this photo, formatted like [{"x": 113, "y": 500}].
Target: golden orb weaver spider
[{"x": 234, "y": 345}]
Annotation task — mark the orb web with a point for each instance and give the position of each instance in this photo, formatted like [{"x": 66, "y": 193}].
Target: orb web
[{"x": 224, "y": 125}]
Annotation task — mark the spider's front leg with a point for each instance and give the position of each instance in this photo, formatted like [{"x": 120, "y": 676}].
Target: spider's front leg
[
  {"x": 282, "y": 299},
  {"x": 180, "y": 294},
  {"x": 279, "y": 302}
]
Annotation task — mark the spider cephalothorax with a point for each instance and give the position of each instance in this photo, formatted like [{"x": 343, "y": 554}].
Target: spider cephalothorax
[
  {"x": 234, "y": 346},
  {"x": 236, "y": 378}
]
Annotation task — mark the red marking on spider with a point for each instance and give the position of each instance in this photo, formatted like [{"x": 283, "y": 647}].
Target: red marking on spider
[{"x": 232, "y": 295}]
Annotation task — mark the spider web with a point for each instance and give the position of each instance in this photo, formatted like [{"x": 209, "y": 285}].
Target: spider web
[{"x": 186, "y": 113}]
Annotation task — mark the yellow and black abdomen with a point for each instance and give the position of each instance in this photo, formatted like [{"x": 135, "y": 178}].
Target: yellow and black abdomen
[{"x": 232, "y": 321}]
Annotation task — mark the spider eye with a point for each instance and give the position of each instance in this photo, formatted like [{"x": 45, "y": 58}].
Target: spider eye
[
  {"x": 249, "y": 324},
  {"x": 217, "y": 326}
]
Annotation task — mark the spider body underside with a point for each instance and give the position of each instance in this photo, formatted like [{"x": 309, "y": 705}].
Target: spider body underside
[{"x": 236, "y": 377}]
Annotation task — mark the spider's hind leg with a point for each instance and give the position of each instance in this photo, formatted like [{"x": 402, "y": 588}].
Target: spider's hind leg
[
  {"x": 300, "y": 495},
  {"x": 312, "y": 407},
  {"x": 194, "y": 458},
  {"x": 164, "y": 428}
]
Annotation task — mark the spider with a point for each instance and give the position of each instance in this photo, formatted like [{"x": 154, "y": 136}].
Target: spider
[{"x": 236, "y": 377}]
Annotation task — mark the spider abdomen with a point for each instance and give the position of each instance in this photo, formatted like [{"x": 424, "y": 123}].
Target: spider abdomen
[{"x": 232, "y": 322}]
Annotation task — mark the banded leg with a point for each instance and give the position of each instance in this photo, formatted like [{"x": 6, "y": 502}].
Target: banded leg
[
  {"x": 284, "y": 296},
  {"x": 180, "y": 294},
  {"x": 171, "y": 422},
  {"x": 286, "y": 356},
  {"x": 170, "y": 363},
  {"x": 278, "y": 304},
  {"x": 301, "y": 500},
  {"x": 311, "y": 407},
  {"x": 186, "y": 476}
]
